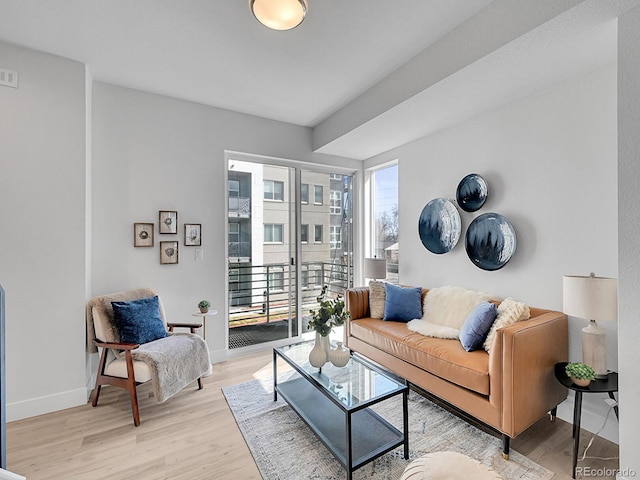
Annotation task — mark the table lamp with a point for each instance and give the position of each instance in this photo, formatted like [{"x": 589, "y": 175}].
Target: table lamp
[
  {"x": 592, "y": 298},
  {"x": 375, "y": 268}
]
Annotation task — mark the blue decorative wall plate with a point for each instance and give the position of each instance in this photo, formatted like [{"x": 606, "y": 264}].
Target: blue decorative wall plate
[
  {"x": 439, "y": 226},
  {"x": 472, "y": 192},
  {"x": 490, "y": 241}
]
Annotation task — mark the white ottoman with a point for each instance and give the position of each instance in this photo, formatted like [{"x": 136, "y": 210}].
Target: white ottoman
[{"x": 448, "y": 466}]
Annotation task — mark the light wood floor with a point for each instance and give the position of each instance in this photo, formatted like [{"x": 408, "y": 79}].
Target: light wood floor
[{"x": 194, "y": 436}]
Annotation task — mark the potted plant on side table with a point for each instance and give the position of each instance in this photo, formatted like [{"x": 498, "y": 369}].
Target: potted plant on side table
[
  {"x": 332, "y": 313},
  {"x": 204, "y": 306},
  {"x": 580, "y": 373}
]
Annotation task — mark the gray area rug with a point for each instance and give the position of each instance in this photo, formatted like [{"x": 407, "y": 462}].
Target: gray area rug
[{"x": 284, "y": 448}]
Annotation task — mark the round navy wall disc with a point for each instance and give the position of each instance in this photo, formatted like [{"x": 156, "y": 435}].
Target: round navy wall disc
[
  {"x": 490, "y": 241},
  {"x": 439, "y": 226},
  {"x": 472, "y": 192}
]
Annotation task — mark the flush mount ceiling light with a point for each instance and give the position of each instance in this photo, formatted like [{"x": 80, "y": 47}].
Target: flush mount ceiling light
[{"x": 279, "y": 14}]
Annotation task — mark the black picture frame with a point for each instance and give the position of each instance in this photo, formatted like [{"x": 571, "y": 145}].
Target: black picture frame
[
  {"x": 169, "y": 253},
  {"x": 168, "y": 222},
  {"x": 192, "y": 234},
  {"x": 143, "y": 234}
]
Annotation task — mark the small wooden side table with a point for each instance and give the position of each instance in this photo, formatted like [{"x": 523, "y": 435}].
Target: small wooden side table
[
  {"x": 204, "y": 316},
  {"x": 607, "y": 385}
]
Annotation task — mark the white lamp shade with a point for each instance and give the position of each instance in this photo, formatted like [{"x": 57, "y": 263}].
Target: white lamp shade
[
  {"x": 279, "y": 14},
  {"x": 375, "y": 268},
  {"x": 591, "y": 298}
]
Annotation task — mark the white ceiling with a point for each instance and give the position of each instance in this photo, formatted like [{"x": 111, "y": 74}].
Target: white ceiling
[{"x": 214, "y": 52}]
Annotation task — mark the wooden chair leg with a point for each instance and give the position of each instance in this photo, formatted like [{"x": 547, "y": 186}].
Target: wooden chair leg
[
  {"x": 131, "y": 386},
  {"x": 96, "y": 390},
  {"x": 96, "y": 394}
]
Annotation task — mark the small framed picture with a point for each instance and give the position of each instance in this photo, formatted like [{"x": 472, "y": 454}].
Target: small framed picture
[
  {"x": 168, "y": 221},
  {"x": 143, "y": 234},
  {"x": 168, "y": 252},
  {"x": 193, "y": 234}
]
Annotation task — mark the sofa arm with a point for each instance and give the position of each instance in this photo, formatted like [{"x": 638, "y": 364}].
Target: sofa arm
[
  {"x": 358, "y": 302},
  {"x": 528, "y": 351}
]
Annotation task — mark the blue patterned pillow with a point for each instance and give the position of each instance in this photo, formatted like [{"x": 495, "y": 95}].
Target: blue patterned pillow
[
  {"x": 477, "y": 326},
  {"x": 139, "y": 321},
  {"x": 402, "y": 304}
]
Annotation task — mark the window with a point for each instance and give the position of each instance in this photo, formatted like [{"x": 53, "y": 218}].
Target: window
[
  {"x": 304, "y": 278},
  {"x": 335, "y": 202},
  {"x": 383, "y": 214},
  {"x": 304, "y": 193},
  {"x": 276, "y": 280},
  {"x": 317, "y": 194},
  {"x": 317, "y": 235},
  {"x": 304, "y": 233},
  {"x": 335, "y": 238},
  {"x": 273, "y": 190},
  {"x": 335, "y": 176},
  {"x": 273, "y": 233}
]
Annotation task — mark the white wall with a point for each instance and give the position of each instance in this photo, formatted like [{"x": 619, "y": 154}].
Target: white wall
[
  {"x": 550, "y": 162},
  {"x": 155, "y": 153},
  {"x": 42, "y": 232},
  {"x": 628, "y": 245}
]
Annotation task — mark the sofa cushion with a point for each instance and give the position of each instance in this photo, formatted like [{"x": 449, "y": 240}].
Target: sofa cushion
[
  {"x": 509, "y": 312},
  {"x": 477, "y": 325},
  {"x": 377, "y": 297},
  {"x": 450, "y": 306},
  {"x": 443, "y": 358},
  {"x": 402, "y": 304}
]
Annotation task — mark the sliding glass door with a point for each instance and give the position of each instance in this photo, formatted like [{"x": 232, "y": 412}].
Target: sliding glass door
[{"x": 289, "y": 233}]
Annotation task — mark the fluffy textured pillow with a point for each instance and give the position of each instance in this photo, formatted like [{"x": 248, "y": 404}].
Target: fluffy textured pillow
[
  {"x": 377, "y": 298},
  {"x": 450, "y": 306},
  {"x": 477, "y": 325},
  {"x": 509, "y": 312},
  {"x": 139, "y": 321},
  {"x": 402, "y": 303}
]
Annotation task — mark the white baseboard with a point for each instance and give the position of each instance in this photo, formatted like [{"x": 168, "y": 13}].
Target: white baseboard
[
  {"x": 6, "y": 475},
  {"x": 217, "y": 356},
  {"x": 47, "y": 404}
]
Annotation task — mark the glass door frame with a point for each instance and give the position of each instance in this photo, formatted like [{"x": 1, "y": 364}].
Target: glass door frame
[{"x": 297, "y": 167}]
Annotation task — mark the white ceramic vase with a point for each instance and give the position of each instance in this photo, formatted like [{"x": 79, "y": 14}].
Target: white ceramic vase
[
  {"x": 339, "y": 356},
  {"x": 318, "y": 355}
]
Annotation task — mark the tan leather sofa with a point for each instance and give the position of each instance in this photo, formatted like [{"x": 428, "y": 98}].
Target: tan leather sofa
[{"x": 509, "y": 389}]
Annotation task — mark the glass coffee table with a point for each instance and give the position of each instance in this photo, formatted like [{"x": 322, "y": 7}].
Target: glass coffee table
[{"x": 334, "y": 403}]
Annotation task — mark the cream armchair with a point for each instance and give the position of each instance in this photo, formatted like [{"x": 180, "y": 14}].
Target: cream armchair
[{"x": 170, "y": 362}]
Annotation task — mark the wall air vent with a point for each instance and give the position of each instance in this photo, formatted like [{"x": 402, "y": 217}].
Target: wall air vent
[{"x": 8, "y": 78}]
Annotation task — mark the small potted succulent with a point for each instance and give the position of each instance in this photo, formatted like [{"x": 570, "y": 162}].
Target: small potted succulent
[
  {"x": 580, "y": 373},
  {"x": 204, "y": 306}
]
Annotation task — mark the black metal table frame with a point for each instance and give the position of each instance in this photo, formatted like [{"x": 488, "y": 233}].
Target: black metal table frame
[
  {"x": 608, "y": 385},
  {"x": 348, "y": 464}
]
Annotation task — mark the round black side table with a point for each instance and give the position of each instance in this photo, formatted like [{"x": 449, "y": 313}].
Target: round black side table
[{"x": 607, "y": 385}]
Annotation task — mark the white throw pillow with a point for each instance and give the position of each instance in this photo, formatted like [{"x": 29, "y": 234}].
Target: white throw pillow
[
  {"x": 450, "y": 306},
  {"x": 377, "y": 299},
  {"x": 429, "y": 329},
  {"x": 509, "y": 312}
]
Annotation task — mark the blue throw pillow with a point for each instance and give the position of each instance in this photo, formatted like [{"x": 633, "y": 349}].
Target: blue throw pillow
[
  {"x": 402, "y": 304},
  {"x": 477, "y": 326},
  {"x": 139, "y": 321}
]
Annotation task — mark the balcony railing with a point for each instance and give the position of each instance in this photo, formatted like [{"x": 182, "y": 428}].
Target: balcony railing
[
  {"x": 239, "y": 207},
  {"x": 264, "y": 293},
  {"x": 240, "y": 249}
]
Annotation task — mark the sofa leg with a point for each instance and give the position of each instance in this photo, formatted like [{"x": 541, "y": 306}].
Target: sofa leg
[
  {"x": 505, "y": 447},
  {"x": 552, "y": 414}
]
